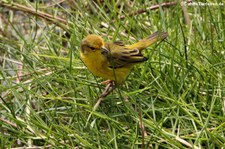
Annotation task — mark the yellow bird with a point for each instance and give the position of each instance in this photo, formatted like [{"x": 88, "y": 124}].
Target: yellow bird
[{"x": 114, "y": 60}]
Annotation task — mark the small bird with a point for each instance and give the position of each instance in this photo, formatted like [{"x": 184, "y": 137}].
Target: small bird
[{"x": 114, "y": 60}]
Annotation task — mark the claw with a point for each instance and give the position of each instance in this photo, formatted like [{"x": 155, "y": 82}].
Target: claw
[{"x": 106, "y": 82}]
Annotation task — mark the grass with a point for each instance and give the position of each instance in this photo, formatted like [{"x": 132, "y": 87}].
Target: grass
[{"x": 173, "y": 100}]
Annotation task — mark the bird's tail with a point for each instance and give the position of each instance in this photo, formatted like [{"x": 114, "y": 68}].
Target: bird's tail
[{"x": 144, "y": 43}]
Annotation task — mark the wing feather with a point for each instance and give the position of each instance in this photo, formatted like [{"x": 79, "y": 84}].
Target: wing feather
[
  {"x": 121, "y": 56},
  {"x": 124, "y": 57}
]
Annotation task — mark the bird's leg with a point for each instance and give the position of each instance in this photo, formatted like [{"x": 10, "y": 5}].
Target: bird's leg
[{"x": 109, "y": 88}]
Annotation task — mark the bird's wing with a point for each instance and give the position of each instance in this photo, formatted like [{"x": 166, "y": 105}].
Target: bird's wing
[{"x": 120, "y": 56}]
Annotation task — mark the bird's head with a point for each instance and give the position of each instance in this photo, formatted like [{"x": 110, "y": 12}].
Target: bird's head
[{"x": 91, "y": 44}]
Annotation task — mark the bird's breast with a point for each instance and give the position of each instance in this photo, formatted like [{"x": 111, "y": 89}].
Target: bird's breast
[{"x": 99, "y": 66}]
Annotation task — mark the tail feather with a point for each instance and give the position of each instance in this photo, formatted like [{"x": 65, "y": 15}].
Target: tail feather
[{"x": 144, "y": 43}]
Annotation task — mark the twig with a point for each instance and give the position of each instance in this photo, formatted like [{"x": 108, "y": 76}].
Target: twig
[
  {"x": 143, "y": 131},
  {"x": 34, "y": 147},
  {"x": 108, "y": 89},
  {"x": 56, "y": 20},
  {"x": 140, "y": 11}
]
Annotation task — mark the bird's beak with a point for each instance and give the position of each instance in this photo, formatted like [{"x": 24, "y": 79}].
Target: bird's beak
[{"x": 104, "y": 49}]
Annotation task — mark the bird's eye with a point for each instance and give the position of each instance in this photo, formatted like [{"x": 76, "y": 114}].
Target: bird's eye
[{"x": 92, "y": 48}]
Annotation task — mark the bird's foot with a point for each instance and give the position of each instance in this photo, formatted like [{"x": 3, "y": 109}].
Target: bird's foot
[
  {"x": 109, "y": 88},
  {"x": 106, "y": 82}
]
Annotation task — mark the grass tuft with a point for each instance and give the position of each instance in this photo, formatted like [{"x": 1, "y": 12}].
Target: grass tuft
[{"x": 176, "y": 99}]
